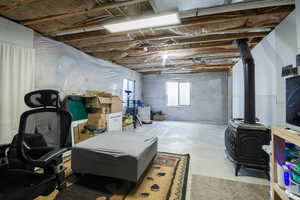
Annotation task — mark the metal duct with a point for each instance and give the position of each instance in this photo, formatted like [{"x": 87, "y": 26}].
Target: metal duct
[{"x": 249, "y": 81}]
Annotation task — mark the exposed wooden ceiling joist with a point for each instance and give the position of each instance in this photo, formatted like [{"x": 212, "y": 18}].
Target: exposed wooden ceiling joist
[
  {"x": 207, "y": 45},
  {"x": 15, "y": 4},
  {"x": 73, "y": 14},
  {"x": 186, "y": 47},
  {"x": 185, "y": 72},
  {"x": 199, "y": 44},
  {"x": 221, "y": 37},
  {"x": 195, "y": 40},
  {"x": 192, "y": 67},
  {"x": 181, "y": 62},
  {"x": 158, "y": 57},
  {"x": 239, "y": 7},
  {"x": 100, "y": 44},
  {"x": 188, "y": 22}
]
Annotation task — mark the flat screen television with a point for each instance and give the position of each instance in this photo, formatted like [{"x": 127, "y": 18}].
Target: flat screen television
[{"x": 292, "y": 102}]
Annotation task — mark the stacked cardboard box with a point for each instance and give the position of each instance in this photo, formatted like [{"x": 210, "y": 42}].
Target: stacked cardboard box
[
  {"x": 159, "y": 117},
  {"x": 101, "y": 104},
  {"x": 80, "y": 133}
]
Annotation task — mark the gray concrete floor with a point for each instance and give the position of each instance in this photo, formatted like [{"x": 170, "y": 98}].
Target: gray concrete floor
[{"x": 204, "y": 143}]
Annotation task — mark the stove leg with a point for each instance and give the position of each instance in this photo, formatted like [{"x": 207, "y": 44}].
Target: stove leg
[
  {"x": 237, "y": 169},
  {"x": 268, "y": 174}
]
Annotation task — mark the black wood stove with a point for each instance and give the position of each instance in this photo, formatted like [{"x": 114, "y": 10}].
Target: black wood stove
[{"x": 244, "y": 138}]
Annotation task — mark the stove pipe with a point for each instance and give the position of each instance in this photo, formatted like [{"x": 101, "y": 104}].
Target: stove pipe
[{"x": 249, "y": 81}]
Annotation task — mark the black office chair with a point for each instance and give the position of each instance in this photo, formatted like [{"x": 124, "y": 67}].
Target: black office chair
[{"x": 40, "y": 142}]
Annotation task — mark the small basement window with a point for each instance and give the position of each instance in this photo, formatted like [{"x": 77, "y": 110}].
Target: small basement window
[{"x": 178, "y": 94}]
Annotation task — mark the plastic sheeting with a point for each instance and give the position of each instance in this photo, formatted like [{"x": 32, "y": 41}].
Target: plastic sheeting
[
  {"x": 16, "y": 79},
  {"x": 69, "y": 70}
]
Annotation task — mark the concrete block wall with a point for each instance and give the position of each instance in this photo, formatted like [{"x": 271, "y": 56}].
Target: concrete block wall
[{"x": 209, "y": 96}]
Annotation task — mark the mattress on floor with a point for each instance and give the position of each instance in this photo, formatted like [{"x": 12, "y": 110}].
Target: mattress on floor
[{"x": 118, "y": 155}]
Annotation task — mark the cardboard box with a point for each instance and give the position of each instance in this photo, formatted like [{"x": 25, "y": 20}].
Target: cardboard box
[
  {"x": 116, "y": 105},
  {"x": 114, "y": 121},
  {"x": 128, "y": 128},
  {"x": 159, "y": 117},
  {"x": 90, "y": 93},
  {"x": 98, "y": 120},
  {"x": 103, "y": 110},
  {"x": 80, "y": 133},
  {"x": 98, "y": 102}
]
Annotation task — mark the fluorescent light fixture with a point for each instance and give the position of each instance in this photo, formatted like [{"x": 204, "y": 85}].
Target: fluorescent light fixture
[{"x": 148, "y": 22}]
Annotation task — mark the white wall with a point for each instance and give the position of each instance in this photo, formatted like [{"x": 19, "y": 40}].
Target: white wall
[
  {"x": 208, "y": 96},
  {"x": 275, "y": 51},
  {"x": 16, "y": 34},
  {"x": 69, "y": 70}
]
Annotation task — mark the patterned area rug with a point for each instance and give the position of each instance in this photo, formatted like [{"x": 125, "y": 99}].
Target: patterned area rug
[
  {"x": 204, "y": 188},
  {"x": 165, "y": 179}
]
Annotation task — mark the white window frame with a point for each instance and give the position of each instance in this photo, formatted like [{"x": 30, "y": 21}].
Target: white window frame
[{"x": 178, "y": 96}]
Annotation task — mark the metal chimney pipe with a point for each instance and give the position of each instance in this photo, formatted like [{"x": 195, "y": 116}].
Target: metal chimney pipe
[{"x": 249, "y": 81}]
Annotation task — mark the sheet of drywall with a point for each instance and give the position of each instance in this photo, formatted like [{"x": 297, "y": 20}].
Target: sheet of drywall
[
  {"x": 278, "y": 49},
  {"x": 208, "y": 96},
  {"x": 69, "y": 70},
  {"x": 16, "y": 34}
]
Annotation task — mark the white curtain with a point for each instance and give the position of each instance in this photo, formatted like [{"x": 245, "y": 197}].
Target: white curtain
[{"x": 17, "y": 70}]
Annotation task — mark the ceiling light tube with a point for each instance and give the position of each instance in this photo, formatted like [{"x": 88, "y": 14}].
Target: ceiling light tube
[{"x": 147, "y": 22}]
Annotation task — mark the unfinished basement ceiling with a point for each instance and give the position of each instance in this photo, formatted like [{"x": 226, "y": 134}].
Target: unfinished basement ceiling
[
  {"x": 203, "y": 42},
  {"x": 184, "y": 5}
]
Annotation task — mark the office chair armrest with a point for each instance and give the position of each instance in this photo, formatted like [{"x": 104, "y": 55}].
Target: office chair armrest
[
  {"x": 3, "y": 156},
  {"x": 50, "y": 157},
  {"x": 3, "y": 148}
]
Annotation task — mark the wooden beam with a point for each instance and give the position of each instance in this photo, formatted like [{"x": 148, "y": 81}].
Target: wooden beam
[
  {"x": 193, "y": 21},
  {"x": 185, "y": 72},
  {"x": 177, "y": 42},
  {"x": 191, "y": 67},
  {"x": 111, "y": 46},
  {"x": 184, "y": 61},
  {"x": 84, "y": 12},
  {"x": 157, "y": 58},
  {"x": 98, "y": 46},
  {"x": 221, "y": 37},
  {"x": 189, "y": 47},
  {"x": 204, "y": 45},
  {"x": 220, "y": 65},
  {"x": 241, "y": 6},
  {"x": 102, "y": 34},
  {"x": 179, "y": 60},
  {"x": 209, "y": 70},
  {"x": 265, "y": 28},
  {"x": 151, "y": 73},
  {"x": 16, "y": 4}
]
